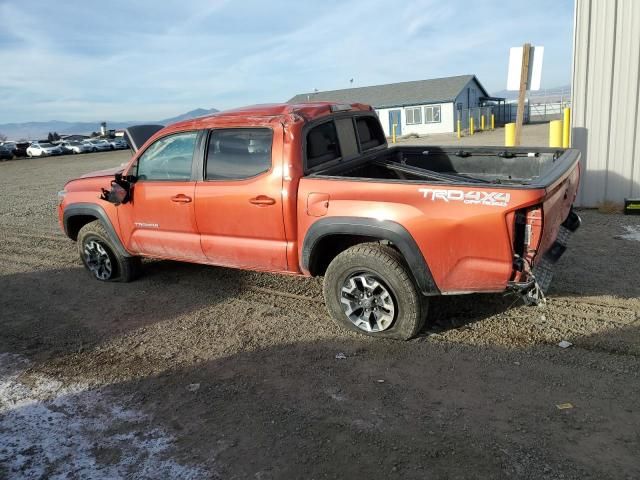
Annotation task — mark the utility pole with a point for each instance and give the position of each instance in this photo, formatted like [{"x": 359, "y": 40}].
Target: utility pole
[{"x": 524, "y": 80}]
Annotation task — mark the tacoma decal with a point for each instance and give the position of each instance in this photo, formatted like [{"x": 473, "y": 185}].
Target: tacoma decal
[
  {"x": 146, "y": 225},
  {"x": 473, "y": 197}
]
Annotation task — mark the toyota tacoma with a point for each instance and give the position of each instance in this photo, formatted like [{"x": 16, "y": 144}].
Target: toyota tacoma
[{"x": 313, "y": 189}]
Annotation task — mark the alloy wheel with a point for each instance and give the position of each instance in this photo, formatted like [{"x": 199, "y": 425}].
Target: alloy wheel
[
  {"x": 368, "y": 302},
  {"x": 98, "y": 260}
]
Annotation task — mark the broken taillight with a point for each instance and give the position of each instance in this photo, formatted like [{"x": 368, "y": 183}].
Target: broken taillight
[{"x": 528, "y": 233}]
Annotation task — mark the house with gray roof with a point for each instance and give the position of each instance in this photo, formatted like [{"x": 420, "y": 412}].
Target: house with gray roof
[{"x": 421, "y": 107}]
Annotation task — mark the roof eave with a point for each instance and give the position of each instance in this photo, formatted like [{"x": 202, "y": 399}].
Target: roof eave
[{"x": 400, "y": 105}]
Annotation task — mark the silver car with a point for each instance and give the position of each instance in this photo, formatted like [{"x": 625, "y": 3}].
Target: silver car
[
  {"x": 118, "y": 144},
  {"x": 74, "y": 147},
  {"x": 97, "y": 145}
]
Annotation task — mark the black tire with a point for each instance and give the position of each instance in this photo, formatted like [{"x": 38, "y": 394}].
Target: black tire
[
  {"x": 122, "y": 269},
  {"x": 387, "y": 266}
]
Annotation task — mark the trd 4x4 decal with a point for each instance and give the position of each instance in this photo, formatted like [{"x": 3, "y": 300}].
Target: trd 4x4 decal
[{"x": 474, "y": 197}]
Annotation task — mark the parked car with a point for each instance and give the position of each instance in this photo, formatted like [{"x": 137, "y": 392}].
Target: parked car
[
  {"x": 43, "y": 150},
  {"x": 9, "y": 145},
  {"x": 5, "y": 153},
  {"x": 74, "y": 147},
  {"x": 319, "y": 192},
  {"x": 21, "y": 149},
  {"x": 107, "y": 144},
  {"x": 97, "y": 145},
  {"x": 118, "y": 144}
]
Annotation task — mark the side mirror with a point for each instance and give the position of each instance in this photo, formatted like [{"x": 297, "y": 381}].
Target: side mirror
[{"x": 120, "y": 190}]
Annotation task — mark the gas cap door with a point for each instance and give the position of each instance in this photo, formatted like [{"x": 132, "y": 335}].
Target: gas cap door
[{"x": 317, "y": 204}]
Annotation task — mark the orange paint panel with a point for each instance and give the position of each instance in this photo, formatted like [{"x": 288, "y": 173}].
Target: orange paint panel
[
  {"x": 241, "y": 221},
  {"x": 158, "y": 222},
  {"x": 467, "y": 247}
]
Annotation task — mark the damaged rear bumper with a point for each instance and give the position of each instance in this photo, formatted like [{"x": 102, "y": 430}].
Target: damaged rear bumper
[{"x": 534, "y": 289}]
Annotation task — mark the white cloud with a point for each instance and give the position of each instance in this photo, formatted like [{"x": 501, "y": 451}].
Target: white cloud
[{"x": 146, "y": 60}]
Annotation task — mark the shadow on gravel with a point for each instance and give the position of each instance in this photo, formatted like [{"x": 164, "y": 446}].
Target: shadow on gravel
[
  {"x": 387, "y": 410},
  {"x": 460, "y": 311},
  {"x": 53, "y": 312}
]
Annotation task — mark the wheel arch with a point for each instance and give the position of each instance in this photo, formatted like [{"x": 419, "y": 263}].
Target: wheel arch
[
  {"x": 328, "y": 237},
  {"x": 77, "y": 215}
]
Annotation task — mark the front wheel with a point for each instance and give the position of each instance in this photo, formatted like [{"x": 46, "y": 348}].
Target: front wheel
[
  {"x": 369, "y": 289},
  {"x": 101, "y": 258}
]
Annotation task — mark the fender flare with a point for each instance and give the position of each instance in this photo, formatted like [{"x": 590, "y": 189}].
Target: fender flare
[
  {"x": 90, "y": 209},
  {"x": 378, "y": 229}
]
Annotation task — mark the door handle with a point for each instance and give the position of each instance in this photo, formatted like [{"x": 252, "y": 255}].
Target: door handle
[
  {"x": 262, "y": 201},
  {"x": 181, "y": 198}
]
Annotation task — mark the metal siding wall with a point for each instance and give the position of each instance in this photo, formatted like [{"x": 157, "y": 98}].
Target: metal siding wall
[
  {"x": 605, "y": 99},
  {"x": 624, "y": 100}
]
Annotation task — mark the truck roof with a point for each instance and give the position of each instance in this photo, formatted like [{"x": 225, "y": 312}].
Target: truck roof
[{"x": 309, "y": 111}]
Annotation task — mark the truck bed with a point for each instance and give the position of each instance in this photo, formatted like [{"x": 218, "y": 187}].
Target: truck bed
[
  {"x": 472, "y": 211},
  {"x": 533, "y": 167}
]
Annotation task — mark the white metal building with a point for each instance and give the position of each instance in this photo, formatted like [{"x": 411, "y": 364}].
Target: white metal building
[
  {"x": 606, "y": 98},
  {"x": 420, "y": 107}
]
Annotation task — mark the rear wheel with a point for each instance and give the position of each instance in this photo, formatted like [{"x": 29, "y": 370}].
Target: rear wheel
[
  {"x": 101, "y": 259},
  {"x": 369, "y": 289}
]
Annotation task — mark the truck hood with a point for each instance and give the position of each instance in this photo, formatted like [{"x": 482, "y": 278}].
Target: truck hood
[
  {"x": 109, "y": 172},
  {"x": 137, "y": 135}
]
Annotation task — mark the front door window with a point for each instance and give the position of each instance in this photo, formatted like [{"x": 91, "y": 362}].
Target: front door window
[{"x": 169, "y": 158}]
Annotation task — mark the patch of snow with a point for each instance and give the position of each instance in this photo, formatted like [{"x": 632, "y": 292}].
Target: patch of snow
[
  {"x": 52, "y": 430},
  {"x": 633, "y": 233}
]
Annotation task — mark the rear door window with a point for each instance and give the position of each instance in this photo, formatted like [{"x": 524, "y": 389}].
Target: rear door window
[{"x": 238, "y": 153}]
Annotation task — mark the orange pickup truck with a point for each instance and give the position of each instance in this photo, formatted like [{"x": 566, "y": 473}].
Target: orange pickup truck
[{"x": 314, "y": 189}]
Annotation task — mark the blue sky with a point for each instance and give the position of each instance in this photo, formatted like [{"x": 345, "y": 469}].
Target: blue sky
[{"x": 136, "y": 60}]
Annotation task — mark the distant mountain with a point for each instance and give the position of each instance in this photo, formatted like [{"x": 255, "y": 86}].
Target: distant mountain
[{"x": 36, "y": 130}]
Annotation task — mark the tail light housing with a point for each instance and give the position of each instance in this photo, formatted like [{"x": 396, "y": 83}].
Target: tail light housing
[{"x": 527, "y": 237}]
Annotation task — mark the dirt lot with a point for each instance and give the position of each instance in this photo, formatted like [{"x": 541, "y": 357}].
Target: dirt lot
[{"x": 201, "y": 372}]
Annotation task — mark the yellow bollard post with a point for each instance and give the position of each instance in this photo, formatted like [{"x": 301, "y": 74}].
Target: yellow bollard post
[
  {"x": 394, "y": 132},
  {"x": 459, "y": 133},
  {"x": 566, "y": 128},
  {"x": 510, "y": 135},
  {"x": 471, "y": 126},
  {"x": 555, "y": 133},
  {"x": 482, "y": 123},
  {"x": 493, "y": 122}
]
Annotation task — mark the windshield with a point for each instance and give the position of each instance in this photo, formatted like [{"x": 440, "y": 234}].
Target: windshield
[{"x": 46, "y": 145}]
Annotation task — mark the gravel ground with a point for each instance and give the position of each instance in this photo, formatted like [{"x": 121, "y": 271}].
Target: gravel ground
[{"x": 203, "y": 372}]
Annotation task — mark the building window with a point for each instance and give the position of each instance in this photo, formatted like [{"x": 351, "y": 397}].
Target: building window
[
  {"x": 413, "y": 115},
  {"x": 432, "y": 114}
]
